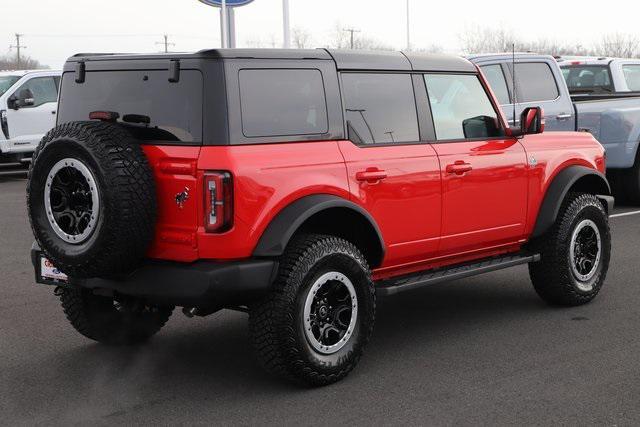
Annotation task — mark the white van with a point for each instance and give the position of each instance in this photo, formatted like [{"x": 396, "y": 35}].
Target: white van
[{"x": 28, "y": 103}]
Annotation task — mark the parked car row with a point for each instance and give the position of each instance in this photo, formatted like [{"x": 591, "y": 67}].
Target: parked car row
[{"x": 600, "y": 96}]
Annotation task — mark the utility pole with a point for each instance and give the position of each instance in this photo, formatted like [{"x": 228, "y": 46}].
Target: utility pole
[
  {"x": 352, "y": 31},
  {"x": 166, "y": 43},
  {"x": 408, "y": 27},
  {"x": 285, "y": 24},
  {"x": 18, "y": 46},
  {"x": 223, "y": 24}
]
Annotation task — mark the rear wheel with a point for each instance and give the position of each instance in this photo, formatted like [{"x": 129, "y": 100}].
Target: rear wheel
[
  {"x": 631, "y": 184},
  {"x": 575, "y": 253},
  {"x": 316, "y": 322},
  {"x": 114, "y": 321}
]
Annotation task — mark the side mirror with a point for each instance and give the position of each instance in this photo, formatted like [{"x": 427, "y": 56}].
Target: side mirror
[
  {"x": 531, "y": 122},
  {"x": 25, "y": 98},
  {"x": 12, "y": 102}
]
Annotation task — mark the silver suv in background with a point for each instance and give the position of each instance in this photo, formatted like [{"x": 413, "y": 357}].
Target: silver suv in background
[{"x": 28, "y": 108}]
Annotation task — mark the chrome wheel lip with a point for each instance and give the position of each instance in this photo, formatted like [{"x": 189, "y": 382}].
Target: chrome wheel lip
[
  {"x": 313, "y": 341},
  {"x": 95, "y": 199},
  {"x": 584, "y": 278}
]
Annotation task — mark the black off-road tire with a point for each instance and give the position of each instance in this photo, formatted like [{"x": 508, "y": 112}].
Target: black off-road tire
[
  {"x": 553, "y": 277},
  {"x": 114, "y": 322},
  {"x": 277, "y": 326},
  {"x": 126, "y": 192}
]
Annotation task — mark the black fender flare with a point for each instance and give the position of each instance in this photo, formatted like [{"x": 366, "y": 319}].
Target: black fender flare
[
  {"x": 558, "y": 190},
  {"x": 282, "y": 227}
]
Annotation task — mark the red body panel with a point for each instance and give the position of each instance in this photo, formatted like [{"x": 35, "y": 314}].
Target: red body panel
[{"x": 430, "y": 213}]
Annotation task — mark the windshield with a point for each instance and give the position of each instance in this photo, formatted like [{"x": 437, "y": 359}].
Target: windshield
[
  {"x": 588, "y": 78},
  {"x": 6, "y": 82}
]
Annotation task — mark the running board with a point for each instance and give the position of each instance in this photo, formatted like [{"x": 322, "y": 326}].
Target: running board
[{"x": 459, "y": 271}]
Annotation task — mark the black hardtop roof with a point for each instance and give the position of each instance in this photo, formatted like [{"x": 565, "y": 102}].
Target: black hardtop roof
[{"x": 344, "y": 59}]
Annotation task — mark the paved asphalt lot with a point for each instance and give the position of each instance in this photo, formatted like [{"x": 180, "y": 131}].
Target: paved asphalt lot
[{"x": 478, "y": 351}]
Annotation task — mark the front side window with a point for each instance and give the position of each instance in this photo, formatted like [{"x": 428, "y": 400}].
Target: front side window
[
  {"x": 632, "y": 76},
  {"x": 535, "y": 82},
  {"x": 282, "y": 102},
  {"x": 495, "y": 78},
  {"x": 588, "y": 78},
  {"x": 461, "y": 108},
  {"x": 43, "y": 90},
  {"x": 380, "y": 108},
  {"x": 6, "y": 82}
]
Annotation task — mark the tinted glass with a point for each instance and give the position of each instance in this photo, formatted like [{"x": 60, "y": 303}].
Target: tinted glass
[
  {"x": 461, "y": 108},
  {"x": 587, "y": 78},
  {"x": 498, "y": 83},
  {"x": 43, "y": 89},
  {"x": 632, "y": 76},
  {"x": 6, "y": 82},
  {"x": 282, "y": 102},
  {"x": 174, "y": 109},
  {"x": 535, "y": 82},
  {"x": 380, "y": 108}
]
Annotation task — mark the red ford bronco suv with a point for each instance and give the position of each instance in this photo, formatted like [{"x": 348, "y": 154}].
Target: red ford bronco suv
[{"x": 297, "y": 185}]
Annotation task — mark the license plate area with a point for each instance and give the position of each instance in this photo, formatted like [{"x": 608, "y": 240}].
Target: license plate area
[{"x": 48, "y": 274}]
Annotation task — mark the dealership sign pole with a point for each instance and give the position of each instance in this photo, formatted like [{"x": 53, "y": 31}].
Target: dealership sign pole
[{"x": 227, "y": 19}]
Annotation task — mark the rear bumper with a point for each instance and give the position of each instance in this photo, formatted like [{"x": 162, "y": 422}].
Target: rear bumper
[{"x": 198, "y": 284}]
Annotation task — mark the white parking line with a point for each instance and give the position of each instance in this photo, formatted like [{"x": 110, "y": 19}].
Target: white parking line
[{"x": 624, "y": 214}]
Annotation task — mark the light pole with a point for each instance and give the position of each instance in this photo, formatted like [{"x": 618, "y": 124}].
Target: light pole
[
  {"x": 408, "y": 28},
  {"x": 224, "y": 23},
  {"x": 286, "y": 26}
]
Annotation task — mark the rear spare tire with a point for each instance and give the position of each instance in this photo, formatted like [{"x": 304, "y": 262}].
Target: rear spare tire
[{"x": 91, "y": 199}]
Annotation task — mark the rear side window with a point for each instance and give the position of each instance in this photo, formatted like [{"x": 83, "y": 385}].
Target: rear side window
[
  {"x": 535, "y": 82},
  {"x": 174, "y": 109},
  {"x": 632, "y": 76},
  {"x": 380, "y": 108},
  {"x": 461, "y": 108},
  {"x": 279, "y": 102},
  {"x": 497, "y": 81},
  {"x": 588, "y": 78}
]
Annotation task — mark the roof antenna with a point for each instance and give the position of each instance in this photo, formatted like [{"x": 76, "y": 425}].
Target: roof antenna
[{"x": 513, "y": 77}]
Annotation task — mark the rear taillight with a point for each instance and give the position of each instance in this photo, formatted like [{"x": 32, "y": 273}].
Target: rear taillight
[
  {"x": 218, "y": 201},
  {"x": 3, "y": 124}
]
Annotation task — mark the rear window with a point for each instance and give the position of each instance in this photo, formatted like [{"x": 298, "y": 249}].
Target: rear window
[
  {"x": 282, "y": 102},
  {"x": 632, "y": 76},
  {"x": 535, "y": 82},
  {"x": 6, "y": 82},
  {"x": 174, "y": 109},
  {"x": 588, "y": 78}
]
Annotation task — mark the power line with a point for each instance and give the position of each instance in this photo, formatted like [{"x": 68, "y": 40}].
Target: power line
[
  {"x": 18, "y": 46},
  {"x": 166, "y": 43},
  {"x": 352, "y": 31}
]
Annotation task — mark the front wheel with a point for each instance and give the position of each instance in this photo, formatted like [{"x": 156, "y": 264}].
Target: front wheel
[
  {"x": 314, "y": 325},
  {"x": 575, "y": 253}
]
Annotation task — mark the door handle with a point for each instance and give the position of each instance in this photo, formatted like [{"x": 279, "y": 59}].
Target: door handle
[
  {"x": 564, "y": 116},
  {"x": 459, "y": 168},
  {"x": 53, "y": 112},
  {"x": 371, "y": 175}
]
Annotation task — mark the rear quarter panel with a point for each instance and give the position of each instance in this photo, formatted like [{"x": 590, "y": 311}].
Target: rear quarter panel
[
  {"x": 267, "y": 178},
  {"x": 551, "y": 152}
]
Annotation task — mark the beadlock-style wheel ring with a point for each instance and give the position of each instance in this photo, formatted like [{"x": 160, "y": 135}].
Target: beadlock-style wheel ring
[
  {"x": 585, "y": 253},
  {"x": 71, "y": 200},
  {"x": 330, "y": 312}
]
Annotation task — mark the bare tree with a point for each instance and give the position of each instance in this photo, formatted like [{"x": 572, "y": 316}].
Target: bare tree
[
  {"x": 10, "y": 62},
  {"x": 301, "y": 38},
  {"x": 619, "y": 45},
  {"x": 432, "y": 48},
  {"x": 477, "y": 39}
]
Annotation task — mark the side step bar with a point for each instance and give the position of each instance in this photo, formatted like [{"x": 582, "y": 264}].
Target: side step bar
[{"x": 459, "y": 271}]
